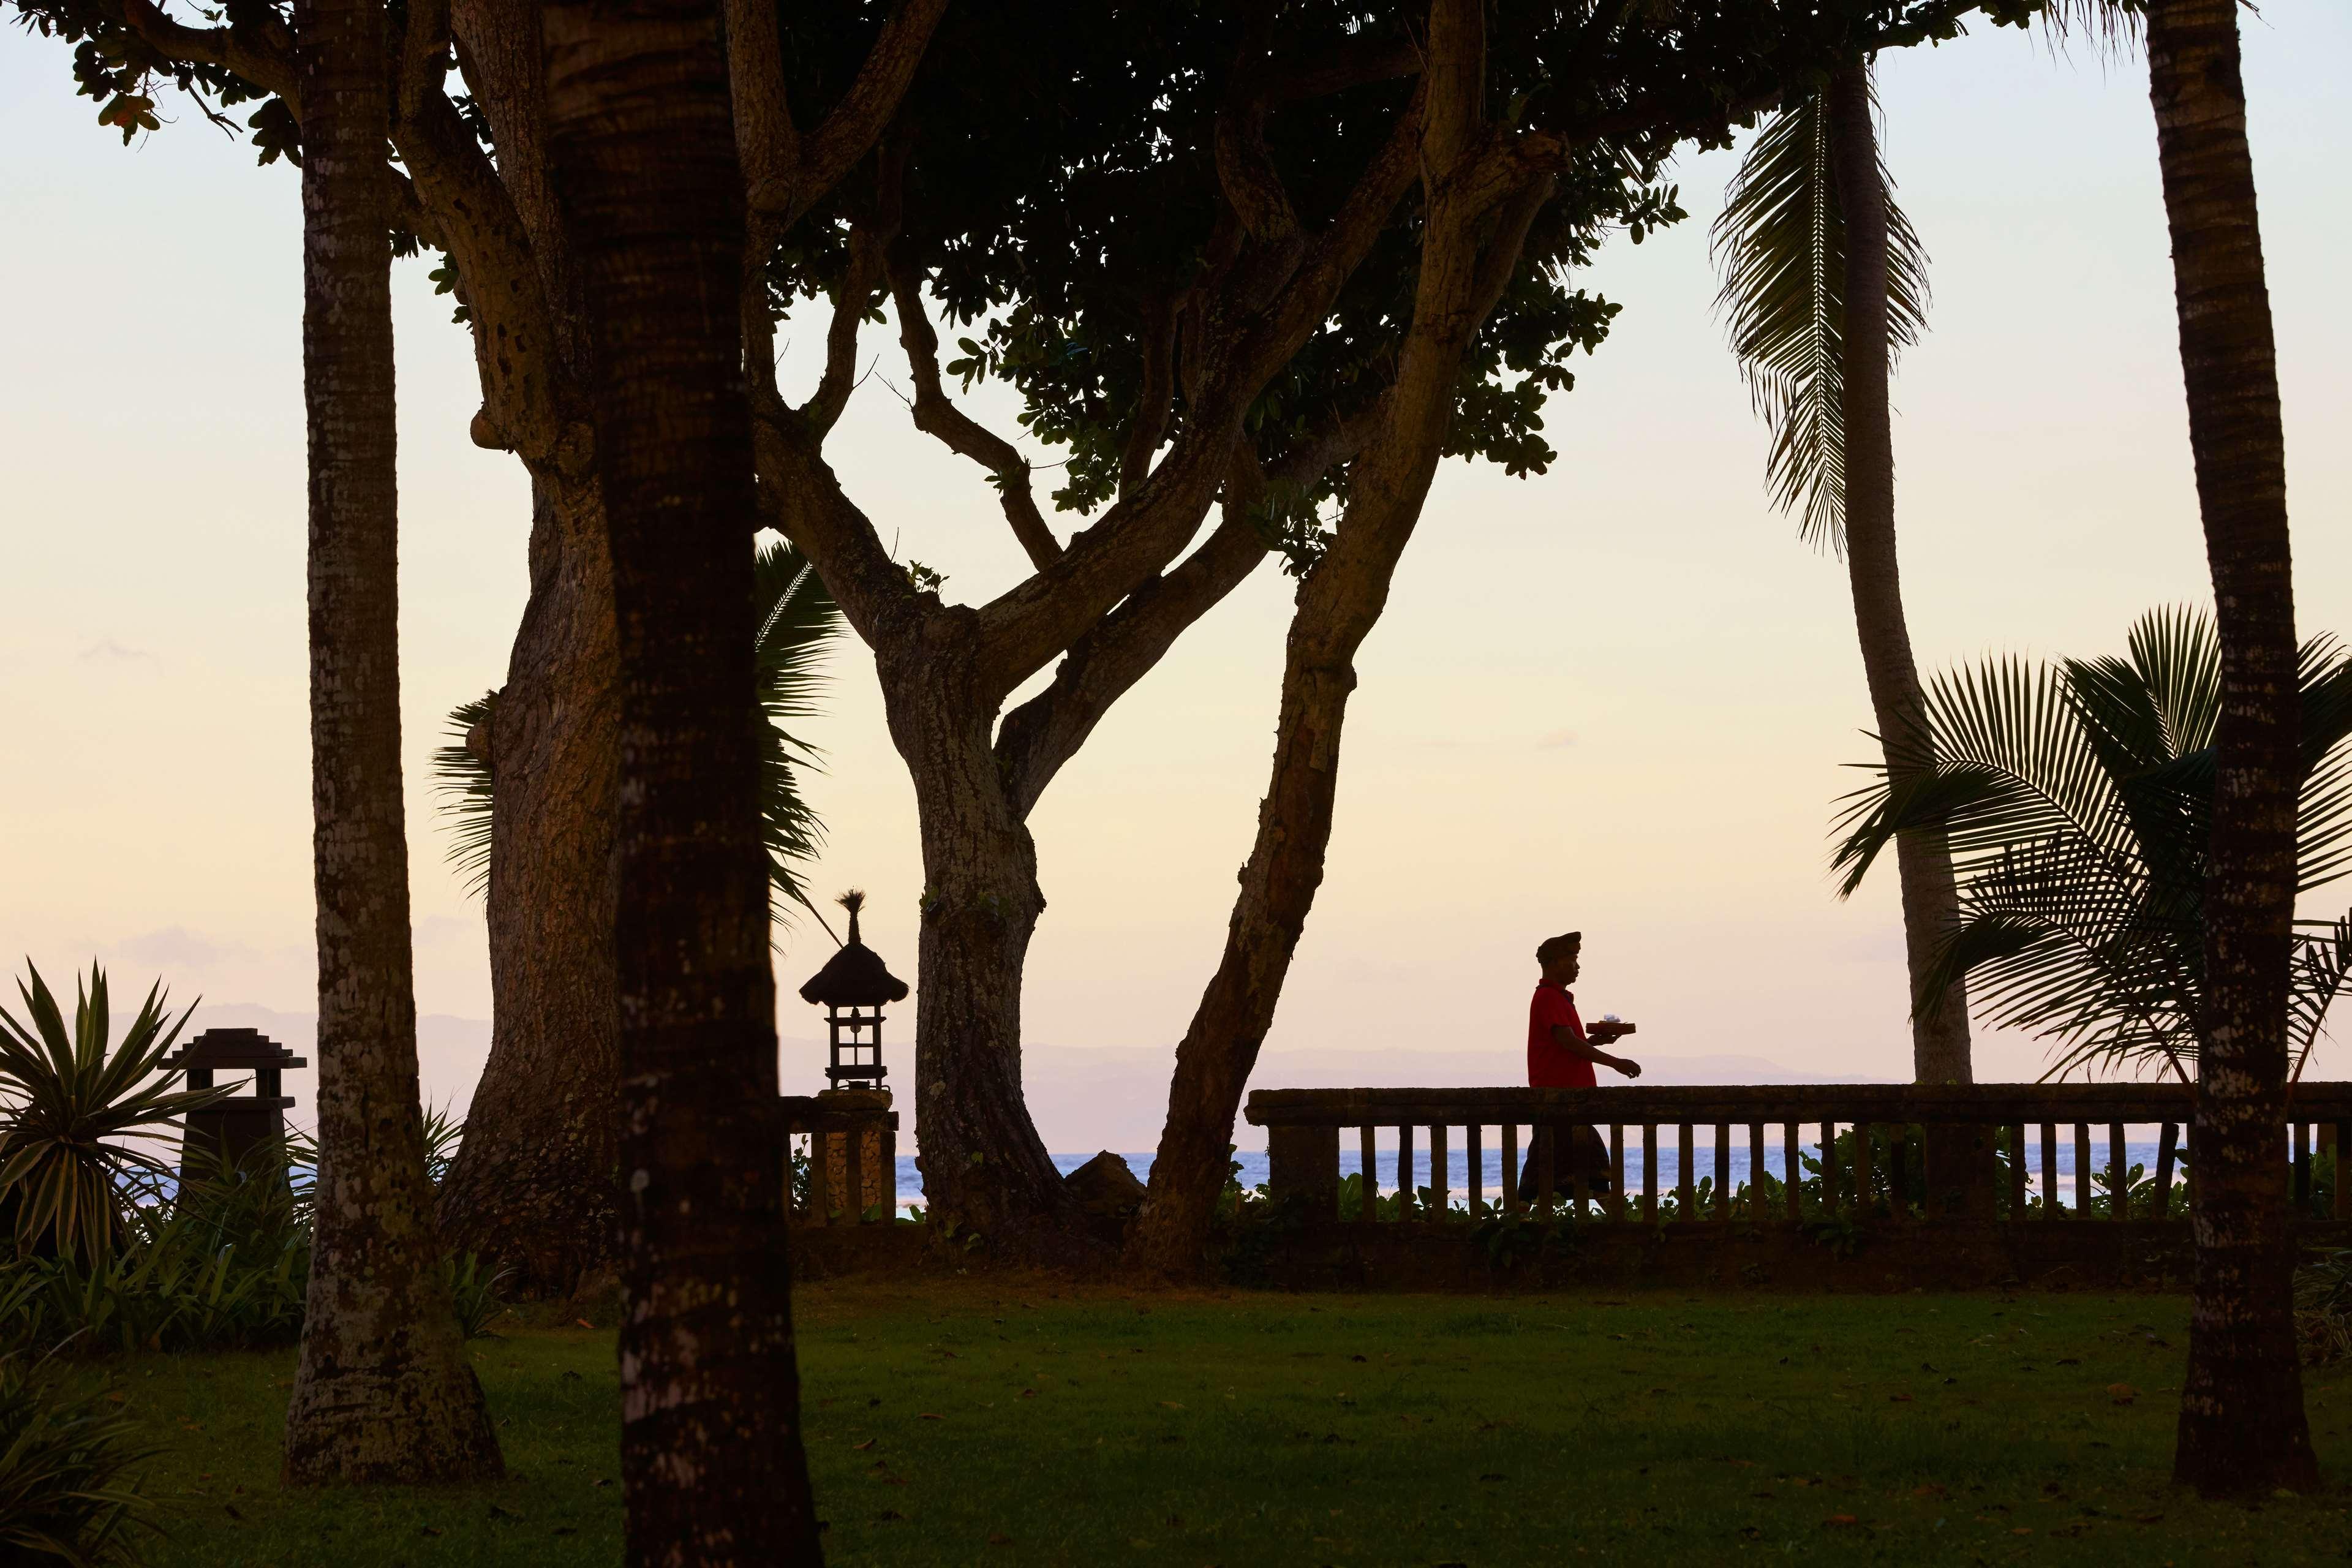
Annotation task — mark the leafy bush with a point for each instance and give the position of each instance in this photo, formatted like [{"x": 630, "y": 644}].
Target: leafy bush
[{"x": 67, "y": 1493}]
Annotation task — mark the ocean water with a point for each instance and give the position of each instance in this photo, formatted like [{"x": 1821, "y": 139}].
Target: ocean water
[{"x": 2139, "y": 1144}]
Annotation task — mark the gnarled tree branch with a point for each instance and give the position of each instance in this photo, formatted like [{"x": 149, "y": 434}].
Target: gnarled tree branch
[{"x": 937, "y": 415}]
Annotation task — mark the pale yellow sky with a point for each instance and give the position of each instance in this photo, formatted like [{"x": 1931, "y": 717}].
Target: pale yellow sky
[{"x": 1617, "y": 697}]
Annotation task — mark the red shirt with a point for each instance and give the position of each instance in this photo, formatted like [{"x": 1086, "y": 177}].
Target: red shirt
[{"x": 1549, "y": 1067}]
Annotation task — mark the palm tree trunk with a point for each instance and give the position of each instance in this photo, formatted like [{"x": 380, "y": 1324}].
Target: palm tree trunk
[
  {"x": 533, "y": 1182},
  {"x": 643, "y": 160},
  {"x": 2242, "y": 1428},
  {"x": 1939, "y": 1033},
  {"x": 383, "y": 1393}
]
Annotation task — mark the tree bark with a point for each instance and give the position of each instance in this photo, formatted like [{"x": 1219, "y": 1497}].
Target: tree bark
[
  {"x": 533, "y": 1183},
  {"x": 2243, "y": 1429},
  {"x": 1940, "y": 1031},
  {"x": 383, "y": 1393},
  {"x": 644, "y": 159},
  {"x": 984, "y": 1167},
  {"x": 1338, "y": 602}
]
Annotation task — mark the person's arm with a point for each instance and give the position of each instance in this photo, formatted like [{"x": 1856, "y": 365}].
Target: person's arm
[{"x": 1585, "y": 1050}]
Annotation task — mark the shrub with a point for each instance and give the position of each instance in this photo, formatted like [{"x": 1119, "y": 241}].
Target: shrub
[
  {"x": 67, "y": 1493},
  {"x": 69, "y": 1097}
]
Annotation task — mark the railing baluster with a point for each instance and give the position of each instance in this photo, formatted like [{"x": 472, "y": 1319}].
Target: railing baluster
[
  {"x": 1546, "y": 1137},
  {"x": 2166, "y": 1146},
  {"x": 2082, "y": 1170},
  {"x": 1649, "y": 1172},
  {"x": 1441, "y": 1178},
  {"x": 1865, "y": 1198},
  {"x": 2119, "y": 1155},
  {"x": 2050, "y": 1207},
  {"x": 1617, "y": 1170},
  {"x": 1367, "y": 1174},
  {"x": 1756, "y": 1173},
  {"x": 2016, "y": 1169},
  {"x": 1722, "y": 1171},
  {"x": 1512, "y": 1201},
  {"x": 1473, "y": 1161},
  {"x": 2302, "y": 1163},
  {"x": 1899, "y": 1171},
  {"x": 1685, "y": 1174},
  {"x": 1792, "y": 1150},
  {"x": 820, "y": 1177},
  {"x": 1832, "y": 1200},
  {"x": 1404, "y": 1171}
]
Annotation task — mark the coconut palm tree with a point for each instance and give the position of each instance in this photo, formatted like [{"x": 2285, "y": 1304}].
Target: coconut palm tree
[
  {"x": 1824, "y": 280},
  {"x": 2078, "y": 799},
  {"x": 2242, "y": 1426},
  {"x": 796, "y": 619},
  {"x": 384, "y": 1392}
]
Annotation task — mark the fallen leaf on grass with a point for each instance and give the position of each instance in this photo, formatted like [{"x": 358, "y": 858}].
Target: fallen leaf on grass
[
  {"x": 929, "y": 1415},
  {"x": 232, "y": 1511},
  {"x": 1170, "y": 1405},
  {"x": 869, "y": 1442},
  {"x": 2123, "y": 1392},
  {"x": 1000, "y": 1539},
  {"x": 1841, "y": 1520},
  {"x": 583, "y": 1322},
  {"x": 2148, "y": 1519},
  {"x": 1898, "y": 1399},
  {"x": 2022, "y": 1529},
  {"x": 1929, "y": 1490},
  {"x": 1489, "y": 1475},
  {"x": 1028, "y": 1393}
]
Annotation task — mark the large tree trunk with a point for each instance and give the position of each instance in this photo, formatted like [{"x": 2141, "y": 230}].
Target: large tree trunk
[
  {"x": 984, "y": 1167},
  {"x": 2243, "y": 1429},
  {"x": 644, "y": 157},
  {"x": 1339, "y": 604},
  {"x": 1939, "y": 1032},
  {"x": 383, "y": 1393},
  {"x": 532, "y": 1186}
]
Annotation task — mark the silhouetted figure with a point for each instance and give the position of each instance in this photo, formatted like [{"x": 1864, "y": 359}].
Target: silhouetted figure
[{"x": 1561, "y": 1054}]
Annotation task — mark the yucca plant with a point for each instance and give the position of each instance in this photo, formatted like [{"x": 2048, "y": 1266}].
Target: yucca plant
[
  {"x": 69, "y": 1100},
  {"x": 794, "y": 616},
  {"x": 66, "y": 1491},
  {"x": 2078, "y": 797}
]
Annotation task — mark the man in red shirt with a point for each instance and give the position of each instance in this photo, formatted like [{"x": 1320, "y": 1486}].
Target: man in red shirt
[{"x": 1561, "y": 1054}]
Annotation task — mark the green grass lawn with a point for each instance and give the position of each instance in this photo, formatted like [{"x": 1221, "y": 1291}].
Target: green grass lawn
[{"x": 1034, "y": 1423}]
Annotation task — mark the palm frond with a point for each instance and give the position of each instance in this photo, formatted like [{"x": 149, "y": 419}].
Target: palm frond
[
  {"x": 2077, "y": 798},
  {"x": 1779, "y": 245},
  {"x": 795, "y": 617},
  {"x": 73, "y": 1098},
  {"x": 462, "y": 778}
]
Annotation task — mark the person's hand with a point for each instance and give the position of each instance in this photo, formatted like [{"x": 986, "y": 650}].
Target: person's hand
[{"x": 1629, "y": 1068}]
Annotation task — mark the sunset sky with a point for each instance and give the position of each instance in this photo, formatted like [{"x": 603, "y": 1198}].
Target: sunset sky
[{"x": 1617, "y": 697}]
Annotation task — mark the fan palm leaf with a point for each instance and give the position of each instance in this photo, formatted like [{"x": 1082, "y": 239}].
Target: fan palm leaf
[
  {"x": 794, "y": 617},
  {"x": 71, "y": 1098},
  {"x": 1780, "y": 247},
  {"x": 2077, "y": 797}
]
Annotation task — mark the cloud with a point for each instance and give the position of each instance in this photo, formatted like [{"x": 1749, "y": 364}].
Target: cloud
[
  {"x": 106, "y": 650},
  {"x": 1556, "y": 740}
]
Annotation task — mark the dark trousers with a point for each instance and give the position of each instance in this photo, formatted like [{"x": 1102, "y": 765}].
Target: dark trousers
[{"x": 1575, "y": 1147}]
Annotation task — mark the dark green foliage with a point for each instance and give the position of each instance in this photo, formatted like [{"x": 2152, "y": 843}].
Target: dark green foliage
[
  {"x": 2077, "y": 798},
  {"x": 68, "y": 1098},
  {"x": 796, "y": 619},
  {"x": 67, "y": 1493}
]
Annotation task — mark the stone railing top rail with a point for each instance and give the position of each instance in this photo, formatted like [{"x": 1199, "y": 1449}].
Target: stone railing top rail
[{"x": 1679, "y": 1103}]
